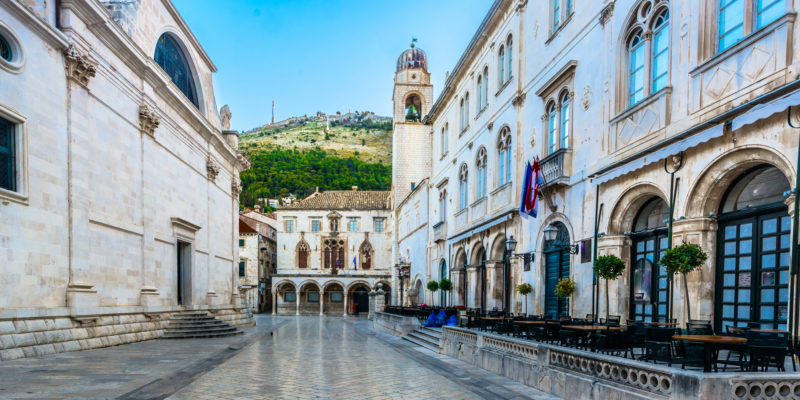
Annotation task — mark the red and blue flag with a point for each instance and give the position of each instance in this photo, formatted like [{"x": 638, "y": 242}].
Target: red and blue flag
[{"x": 529, "y": 204}]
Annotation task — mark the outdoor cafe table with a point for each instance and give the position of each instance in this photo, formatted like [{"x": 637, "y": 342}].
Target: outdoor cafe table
[
  {"x": 709, "y": 343},
  {"x": 591, "y": 328},
  {"x": 662, "y": 323}
]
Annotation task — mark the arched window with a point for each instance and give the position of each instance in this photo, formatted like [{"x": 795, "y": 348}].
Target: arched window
[
  {"x": 650, "y": 290},
  {"x": 480, "y": 162},
  {"x": 302, "y": 254},
  {"x": 333, "y": 253},
  {"x": 647, "y": 47},
  {"x": 461, "y": 119},
  {"x": 501, "y": 65},
  {"x": 504, "y": 157},
  {"x": 653, "y": 214},
  {"x": 552, "y": 128},
  {"x": 761, "y": 186},
  {"x": 365, "y": 252},
  {"x": 466, "y": 110},
  {"x": 443, "y": 143},
  {"x": 480, "y": 93},
  {"x": 5, "y": 49},
  {"x": 510, "y": 48},
  {"x": 443, "y": 205},
  {"x": 485, "y": 87},
  {"x": 462, "y": 187},
  {"x": 171, "y": 58},
  {"x": 413, "y": 107},
  {"x": 564, "y": 121}
]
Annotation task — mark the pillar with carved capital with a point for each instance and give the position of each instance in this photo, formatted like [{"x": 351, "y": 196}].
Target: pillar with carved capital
[
  {"x": 297, "y": 303},
  {"x": 321, "y": 299},
  {"x": 274, "y": 302},
  {"x": 345, "y": 304}
]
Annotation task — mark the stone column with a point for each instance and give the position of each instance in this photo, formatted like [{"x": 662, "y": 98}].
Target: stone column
[
  {"x": 297, "y": 303},
  {"x": 701, "y": 231},
  {"x": 321, "y": 301},
  {"x": 345, "y": 304},
  {"x": 494, "y": 285},
  {"x": 274, "y": 303}
]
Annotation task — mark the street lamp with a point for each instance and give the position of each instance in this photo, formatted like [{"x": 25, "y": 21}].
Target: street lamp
[
  {"x": 551, "y": 235},
  {"x": 511, "y": 245}
]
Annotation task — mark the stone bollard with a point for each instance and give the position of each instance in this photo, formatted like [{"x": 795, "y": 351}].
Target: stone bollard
[{"x": 372, "y": 299}]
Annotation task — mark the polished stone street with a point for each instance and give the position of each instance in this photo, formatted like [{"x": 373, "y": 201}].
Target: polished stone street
[{"x": 306, "y": 357}]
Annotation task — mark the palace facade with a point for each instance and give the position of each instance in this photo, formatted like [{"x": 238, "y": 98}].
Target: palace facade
[
  {"x": 634, "y": 108},
  {"x": 334, "y": 249},
  {"x": 118, "y": 181}
]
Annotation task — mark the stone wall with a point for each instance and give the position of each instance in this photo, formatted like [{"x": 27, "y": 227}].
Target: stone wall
[
  {"x": 395, "y": 324},
  {"x": 571, "y": 373},
  {"x": 56, "y": 332}
]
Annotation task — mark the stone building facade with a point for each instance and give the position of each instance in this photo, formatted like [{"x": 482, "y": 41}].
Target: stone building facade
[
  {"x": 257, "y": 260},
  {"x": 334, "y": 248},
  {"x": 119, "y": 195},
  {"x": 630, "y": 92}
]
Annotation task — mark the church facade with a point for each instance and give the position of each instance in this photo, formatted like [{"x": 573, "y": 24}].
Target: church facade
[
  {"x": 119, "y": 188},
  {"x": 654, "y": 124}
]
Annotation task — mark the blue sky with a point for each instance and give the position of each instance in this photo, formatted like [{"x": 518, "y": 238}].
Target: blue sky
[{"x": 323, "y": 55}]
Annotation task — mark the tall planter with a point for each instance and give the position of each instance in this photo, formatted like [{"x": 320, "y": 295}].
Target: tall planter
[
  {"x": 525, "y": 289},
  {"x": 684, "y": 259},
  {"x": 433, "y": 286},
  {"x": 446, "y": 286},
  {"x": 608, "y": 267}
]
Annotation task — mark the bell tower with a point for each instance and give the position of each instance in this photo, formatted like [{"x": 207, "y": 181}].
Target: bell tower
[{"x": 411, "y": 139}]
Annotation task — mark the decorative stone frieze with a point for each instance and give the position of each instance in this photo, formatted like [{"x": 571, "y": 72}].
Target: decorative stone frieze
[
  {"x": 212, "y": 169},
  {"x": 79, "y": 66},
  {"x": 606, "y": 13},
  {"x": 587, "y": 97},
  {"x": 148, "y": 121}
]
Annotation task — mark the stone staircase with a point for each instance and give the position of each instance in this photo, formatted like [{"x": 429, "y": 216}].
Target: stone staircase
[
  {"x": 425, "y": 337},
  {"x": 197, "y": 324}
]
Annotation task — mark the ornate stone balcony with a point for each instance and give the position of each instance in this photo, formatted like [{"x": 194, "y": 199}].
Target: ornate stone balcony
[
  {"x": 557, "y": 167},
  {"x": 440, "y": 231},
  {"x": 462, "y": 218},
  {"x": 501, "y": 197}
]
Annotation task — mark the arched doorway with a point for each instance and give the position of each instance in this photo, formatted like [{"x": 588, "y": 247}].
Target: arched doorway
[
  {"x": 286, "y": 298},
  {"x": 649, "y": 289},
  {"x": 479, "y": 261},
  {"x": 333, "y": 298},
  {"x": 359, "y": 299},
  {"x": 442, "y": 275},
  {"x": 556, "y": 267},
  {"x": 460, "y": 286},
  {"x": 753, "y": 251}
]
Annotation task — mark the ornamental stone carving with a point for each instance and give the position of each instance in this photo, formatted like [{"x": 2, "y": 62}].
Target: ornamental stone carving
[
  {"x": 243, "y": 160},
  {"x": 225, "y": 117},
  {"x": 148, "y": 121},
  {"x": 587, "y": 97},
  {"x": 236, "y": 187},
  {"x": 519, "y": 99},
  {"x": 79, "y": 66},
  {"x": 606, "y": 13},
  {"x": 212, "y": 169}
]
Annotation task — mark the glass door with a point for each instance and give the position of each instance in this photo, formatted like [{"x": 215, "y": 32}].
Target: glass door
[{"x": 650, "y": 281}]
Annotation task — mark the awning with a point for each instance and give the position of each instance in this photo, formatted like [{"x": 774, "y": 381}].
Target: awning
[
  {"x": 497, "y": 221},
  {"x": 766, "y": 110},
  {"x": 661, "y": 154}
]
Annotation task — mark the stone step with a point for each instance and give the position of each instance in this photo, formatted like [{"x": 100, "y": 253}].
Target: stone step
[
  {"x": 424, "y": 338},
  {"x": 197, "y": 323},
  {"x": 201, "y": 328},
  {"x": 428, "y": 335},
  {"x": 421, "y": 343},
  {"x": 437, "y": 332},
  {"x": 201, "y": 335}
]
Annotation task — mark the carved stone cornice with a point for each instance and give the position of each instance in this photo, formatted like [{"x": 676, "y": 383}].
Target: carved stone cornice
[
  {"x": 519, "y": 99},
  {"x": 243, "y": 160},
  {"x": 148, "y": 121},
  {"x": 606, "y": 13},
  {"x": 212, "y": 169},
  {"x": 79, "y": 66},
  {"x": 521, "y": 5},
  {"x": 236, "y": 187}
]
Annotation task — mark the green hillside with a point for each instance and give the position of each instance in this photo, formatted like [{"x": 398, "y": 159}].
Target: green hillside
[{"x": 296, "y": 156}]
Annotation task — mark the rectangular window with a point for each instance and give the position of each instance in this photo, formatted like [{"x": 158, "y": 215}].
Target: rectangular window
[
  {"x": 316, "y": 225},
  {"x": 463, "y": 195},
  {"x": 241, "y": 242},
  {"x": 660, "y": 58},
  {"x": 556, "y": 14},
  {"x": 241, "y": 268},
  {"x": 290, "y": 297},
  {"x": 565, "y": 123},
  {"x": 768, "y": 11},
  {"x": 336, "y": 297},
  {"x": 352, "y": 225},
  {"x": 378, "y": 225},
  {"x": 313, "y": 297},
  {"x": 569, "y": 7},
  {"x": 8, "y": 153},
  {"x": 502, "y": 167},
  {"x": 731, "y": 22},
  {"x": 552, "y": 131},
  {"x": 289, "y": 226}
]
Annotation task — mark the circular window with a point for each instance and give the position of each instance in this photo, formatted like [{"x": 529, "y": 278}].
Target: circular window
[
  {"x": 5, "y": 49},
  {"x": 413, "y": 77}
]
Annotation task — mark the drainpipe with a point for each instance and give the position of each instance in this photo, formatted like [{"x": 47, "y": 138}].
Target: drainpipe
[
  {"x": 594, "y": 253},
  {"x": 795, "y": 303}
]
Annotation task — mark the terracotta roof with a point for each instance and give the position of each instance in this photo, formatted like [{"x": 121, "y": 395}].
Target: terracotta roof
[{"x": 343, "y": 200}]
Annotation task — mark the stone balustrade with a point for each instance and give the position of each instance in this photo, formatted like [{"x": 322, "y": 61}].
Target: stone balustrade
[{"x": 577, "y": 374}]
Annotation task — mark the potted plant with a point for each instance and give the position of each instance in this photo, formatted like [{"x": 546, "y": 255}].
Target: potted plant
[
  {"x": 565, "y": 288},
  {"x": 525, "y": 289},
  {"x": 446, "y": 286},
  {"x": 608, "y": 267},
  {"x": 433, "y": 286},
  {"x": 683, "y": 259}
]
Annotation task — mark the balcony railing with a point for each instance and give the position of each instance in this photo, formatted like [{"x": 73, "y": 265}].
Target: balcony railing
[
  {"x": 554, "y": 168},
  {"x": 440, "y": 231}
]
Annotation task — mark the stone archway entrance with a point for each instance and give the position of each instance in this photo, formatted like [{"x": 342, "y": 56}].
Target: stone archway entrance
[{"x": 360, "y": 302}]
